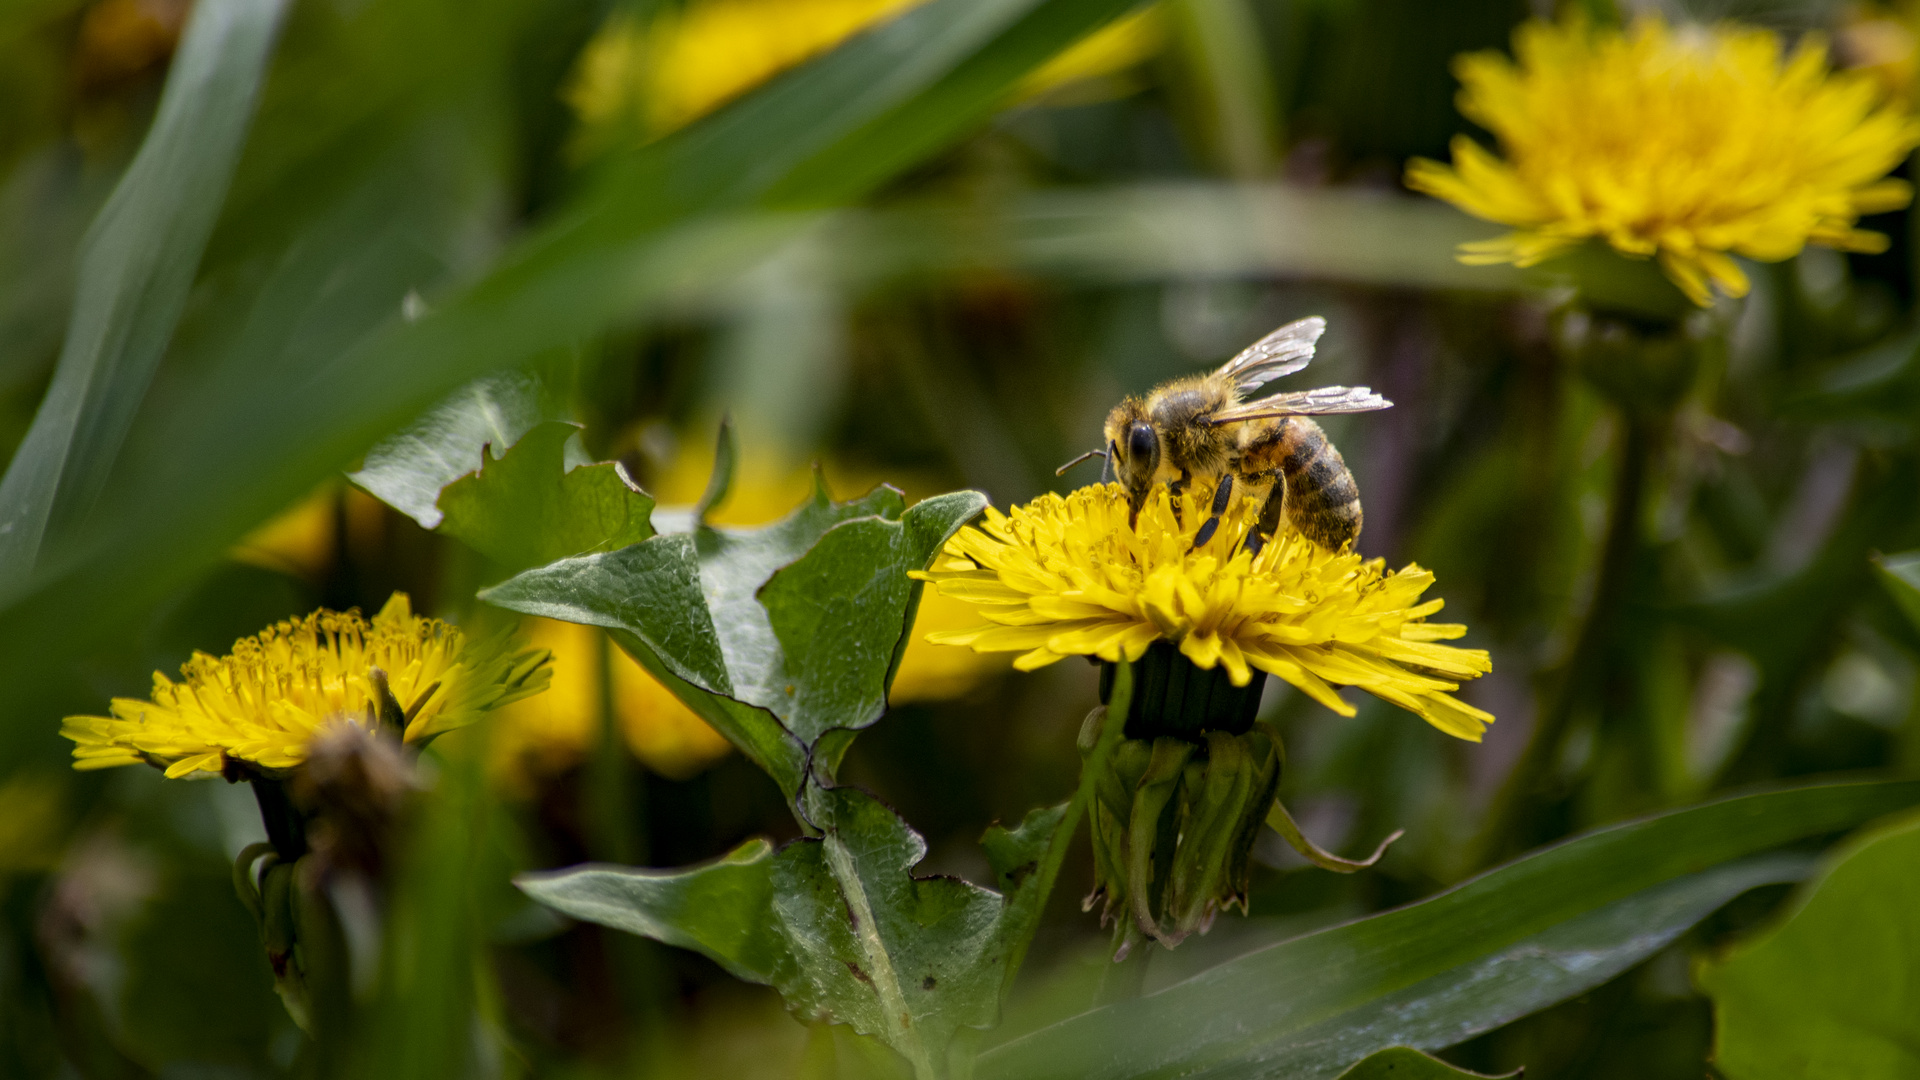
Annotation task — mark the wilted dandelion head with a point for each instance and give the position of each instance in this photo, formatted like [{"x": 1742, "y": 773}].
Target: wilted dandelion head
[
  {"x": 266, "y": 702},
  {"x": 1067, "y": 575},
  {"x": 1687, "y": 144}
]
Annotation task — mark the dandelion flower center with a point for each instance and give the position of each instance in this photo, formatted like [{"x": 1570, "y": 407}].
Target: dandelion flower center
[
  {"x": 1688, "y": 145},
  {"x": 1069, "y": 576},
  {"x": 266, "y": 701}
]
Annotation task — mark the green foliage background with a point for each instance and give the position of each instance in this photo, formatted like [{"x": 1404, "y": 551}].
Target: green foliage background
[{"x": 238, "y": 270}]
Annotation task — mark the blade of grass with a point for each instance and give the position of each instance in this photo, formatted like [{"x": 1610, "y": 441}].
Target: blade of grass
[
  {"x": 244, "y": 445},
  {"x": 1233, "y": 88},
  {"x": 139, "y": 260},
  {"x": 1420, "y": 975}
]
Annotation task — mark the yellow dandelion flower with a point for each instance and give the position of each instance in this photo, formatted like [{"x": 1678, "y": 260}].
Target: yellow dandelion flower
[
  {"x": 265, "y": 702},
  {"x": 1067, "y": 575},
  {"x": 663, "y": 75},
  {"x": 764, "y": 491},
  {"x": 1687, "y": 144},
  {"x": 929, "y": 673},
  {"x": 659, "y": 729},
  {"x": 549, "y": 734},
  {"x": 301, "y": 540},
  {"x": 712, "y": 52},
  {"x": 1878, "y": 41}
]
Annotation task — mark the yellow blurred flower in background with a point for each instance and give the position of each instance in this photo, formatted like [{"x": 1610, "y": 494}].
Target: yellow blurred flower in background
[
  {"x": 930, "y": 673},
  {"x": 686, "y": 63},
  {"x": 1879, "y": 41},
  {"x": 1069, "y": 576},
  {"x": 545, "y": 736},
  {"x": 1687, "y": 144},
  {"x": 304, "y": 539},
  {"x": 764, "y": 492},
  {"x": 647, "y": 80},
  {"x": 268, "y": 700}
]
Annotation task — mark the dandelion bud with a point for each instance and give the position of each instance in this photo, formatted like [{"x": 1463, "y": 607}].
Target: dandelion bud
[{"x": 1178, "y": 808}]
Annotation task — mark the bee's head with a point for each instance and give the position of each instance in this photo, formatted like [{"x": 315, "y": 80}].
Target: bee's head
[{"x": 1133, "y": 450}]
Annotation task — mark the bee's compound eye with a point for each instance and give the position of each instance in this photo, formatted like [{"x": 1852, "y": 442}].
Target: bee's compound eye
[{"x": 1143, "y": 446}]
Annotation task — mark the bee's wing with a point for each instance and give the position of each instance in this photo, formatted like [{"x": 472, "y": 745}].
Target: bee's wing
[
  {"x": 1282, "y": 352},
  {"x": 1325, "y": 400}
]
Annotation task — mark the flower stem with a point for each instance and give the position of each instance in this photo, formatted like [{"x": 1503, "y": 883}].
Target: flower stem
[
  {"x": 1035, "y": 896},
  {"x": 286, "y": 826},
  {"x": 1533, "y": 783}
]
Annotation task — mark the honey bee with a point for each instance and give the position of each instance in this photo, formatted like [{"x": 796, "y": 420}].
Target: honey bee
[{"x": 1199, "y": 428}]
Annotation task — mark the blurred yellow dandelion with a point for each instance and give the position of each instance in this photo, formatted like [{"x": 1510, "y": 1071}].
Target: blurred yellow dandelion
[
  {"x": 302, "y": 539},
  {"x": 713, "y": 51},
  {"x": 547, "y": 735},
  {"x": 763, "y": 492},
  {"x": 659, "y": 729},
  {"x": 298, "y": 541},
  {"x": 1688, "y": 144},
  {"x": 764, "y": 489},
  {"x": 931, "y": 673},
  {"x": 1879, "y": 42},
  {"x": 662, "y": 75},
  {"x": 265, "y": 702},
  {"x": 1067, "y": 575}
]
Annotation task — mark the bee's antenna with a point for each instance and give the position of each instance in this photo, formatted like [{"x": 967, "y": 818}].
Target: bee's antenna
[{"x": 1062, "y": 470}]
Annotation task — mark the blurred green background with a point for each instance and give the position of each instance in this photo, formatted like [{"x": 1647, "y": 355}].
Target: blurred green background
[{"x": 938, "y": 284}]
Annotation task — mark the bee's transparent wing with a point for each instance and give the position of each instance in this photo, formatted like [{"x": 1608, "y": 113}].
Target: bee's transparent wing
[
  {"x": 1321, "y": 402},
  {"x": 1282, "y": 352}
]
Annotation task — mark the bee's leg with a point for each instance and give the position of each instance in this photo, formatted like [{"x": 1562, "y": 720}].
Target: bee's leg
[
  {"x": 1270, "y": 512},
  {"x": 1176, "y": 488},
  {"x": 1222, "y": 495}
]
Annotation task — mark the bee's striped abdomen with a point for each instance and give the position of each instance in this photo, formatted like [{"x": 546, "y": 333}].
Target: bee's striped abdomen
[{"x": 1322, "y": 500}]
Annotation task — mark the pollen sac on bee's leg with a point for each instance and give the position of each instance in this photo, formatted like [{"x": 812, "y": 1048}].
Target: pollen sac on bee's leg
[{"x": 1181, "y": 801}]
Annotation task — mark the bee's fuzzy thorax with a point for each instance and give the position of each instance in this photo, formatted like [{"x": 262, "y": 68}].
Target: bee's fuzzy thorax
[{"x": 1181, "y": 411}]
